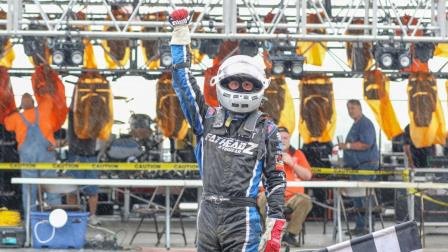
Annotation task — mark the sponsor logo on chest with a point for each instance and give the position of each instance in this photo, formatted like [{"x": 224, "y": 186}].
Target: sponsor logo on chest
[{"x": 231, "y": 144}]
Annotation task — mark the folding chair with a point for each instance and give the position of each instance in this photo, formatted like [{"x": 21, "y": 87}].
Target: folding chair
[
  {"x": 376, "y": 209},
  {"x": 176, "y": 210},
  {"x": 152, "y": 210},
  {"x": 61, "y": 190}
]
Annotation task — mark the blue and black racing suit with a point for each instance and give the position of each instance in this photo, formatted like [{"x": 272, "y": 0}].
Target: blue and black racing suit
[{"x": 233, "y": 152}]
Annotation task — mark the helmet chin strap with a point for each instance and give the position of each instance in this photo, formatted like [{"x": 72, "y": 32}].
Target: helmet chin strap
[{"x": 263, "y": 100}]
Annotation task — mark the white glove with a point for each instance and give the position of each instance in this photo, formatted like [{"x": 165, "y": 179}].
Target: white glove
[
  {"x": 181, "y": 35},
  {"x": 271, "y": 239},
  {"x": 179, "y": 19}
]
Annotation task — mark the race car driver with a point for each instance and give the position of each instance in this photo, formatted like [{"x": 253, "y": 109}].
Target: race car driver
[{"x": 237, "y": 145}]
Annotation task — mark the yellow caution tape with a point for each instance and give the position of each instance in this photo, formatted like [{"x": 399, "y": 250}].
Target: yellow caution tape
[
  {"x": 102, "y": 166},
  {"x": 9, "y": 218},
  {"x": 345, "y": 171},
  {"x": 406, "y": 178},
  {"x": 428, "y": 198},
  {"x": 164, "y": 167}
]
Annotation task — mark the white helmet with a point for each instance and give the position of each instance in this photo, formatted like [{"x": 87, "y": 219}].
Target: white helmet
[{"x": 242, "y": 67}]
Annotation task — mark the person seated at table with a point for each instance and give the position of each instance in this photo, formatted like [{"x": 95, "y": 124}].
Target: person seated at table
[{"x": 297, "y": 202}]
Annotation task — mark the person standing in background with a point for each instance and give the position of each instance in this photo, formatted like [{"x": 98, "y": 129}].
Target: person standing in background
[
  {"x": 34, "y": 128},
  {"x": 360, "y": 153},
  {"x": 83, "y": 151},
  {"x": 417, "y": 157}
]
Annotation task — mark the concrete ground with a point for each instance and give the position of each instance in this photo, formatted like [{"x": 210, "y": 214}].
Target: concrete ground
[{"x": 314, "y": 238}]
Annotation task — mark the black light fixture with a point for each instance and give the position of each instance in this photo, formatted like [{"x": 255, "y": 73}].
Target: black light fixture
[
  {"x": 424, "y": 51},
  {"x": 249, "y": 47},
  {"x": 284, "y": 59},
  {"x": 165, "y": 54},
  {"x": 391, "y": 55},
  {"x": 404, "y": 60},
  {"x": 210, "y": 47},
  {"x": 33, "y": 45},
  {"x": 67, "y": 52},
  {"x": 289, "y": 64},
  {"x": 195, "y": 44},
  {"x": 296, "y": 67},
  {"x": 278, "y": 66}
]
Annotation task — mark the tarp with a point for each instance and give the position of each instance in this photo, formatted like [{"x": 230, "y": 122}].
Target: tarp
[
  {"x": 376, "y": 94},
  {"x": 93, "y": 108},
  {"x": 314, "y": 52},
  {"x": 170, "y": 117},
  {"x": 45, "y": 81},
  {"x": 317, "y": 109},
  {"x": 279, "y": 104},
  {"x": 441, "y": 50},
  {"x": 425, "y": 111},
  {"x": 7, "y": 55},
  {"x": 7, "y": 103},
  {"x": 417, "y": 65},
  {"x": 89, "y": 56},
  {"x": 117, "y": 52},
  {"x": 150, "y": 48},
  {"x": 359, "y": 54}
]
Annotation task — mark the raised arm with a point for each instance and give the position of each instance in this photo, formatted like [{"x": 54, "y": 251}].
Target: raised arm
[{"x": 184, "y": 84}]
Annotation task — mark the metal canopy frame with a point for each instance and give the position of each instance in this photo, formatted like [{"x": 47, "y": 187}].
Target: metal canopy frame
[{"x": 220, "y": 19}]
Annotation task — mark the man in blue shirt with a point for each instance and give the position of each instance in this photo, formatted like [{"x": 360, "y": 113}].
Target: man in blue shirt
[{"x": 360, "y": 153}]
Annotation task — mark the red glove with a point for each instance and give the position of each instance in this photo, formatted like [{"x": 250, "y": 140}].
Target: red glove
[
  {"x": 272, "y": 237},
  {"x": 179, "y": 17}
]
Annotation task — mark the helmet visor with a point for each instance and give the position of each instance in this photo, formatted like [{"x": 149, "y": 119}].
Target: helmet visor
[{"x": 242, "y": 84}]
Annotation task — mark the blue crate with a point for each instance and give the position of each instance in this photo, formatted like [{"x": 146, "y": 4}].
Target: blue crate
[{"x": 72, "y": 235}]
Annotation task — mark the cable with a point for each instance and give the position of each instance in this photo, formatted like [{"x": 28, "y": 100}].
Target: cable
[
  {"x": 110, "y": 240},
  {"x": 102, "y": 229},
  {"x": 124, "y": 238},
  {"x": 37, "y": 236},
  {"x": 9, "y": 218}
]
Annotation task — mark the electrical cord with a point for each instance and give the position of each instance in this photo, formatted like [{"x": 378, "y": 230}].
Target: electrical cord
[
  {"x": 108, "y": 242},
  {"x": 124, "y": 237},
  {"x": 36, "y": 235},
  {"x": 9, "y": 218}
]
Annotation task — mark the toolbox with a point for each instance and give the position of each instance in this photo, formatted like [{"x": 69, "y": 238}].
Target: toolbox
[{"x": 12, "y": 237}]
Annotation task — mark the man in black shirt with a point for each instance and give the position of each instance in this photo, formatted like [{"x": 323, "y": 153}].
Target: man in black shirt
[
  {"x": 417, "y": 157},
  {"x": 83, "y": 151}
]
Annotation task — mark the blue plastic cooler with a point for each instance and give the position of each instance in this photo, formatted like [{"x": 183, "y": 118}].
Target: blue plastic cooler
[{"x": 71, "y": 235}]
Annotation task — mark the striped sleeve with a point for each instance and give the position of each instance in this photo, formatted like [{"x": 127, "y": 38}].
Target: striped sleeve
[
  {"x": 187, "y": 90},
  {"x": 274, "y": 172}
]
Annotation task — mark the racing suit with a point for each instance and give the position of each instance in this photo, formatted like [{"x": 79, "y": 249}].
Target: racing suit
[{"x": 233, "y": 152}]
